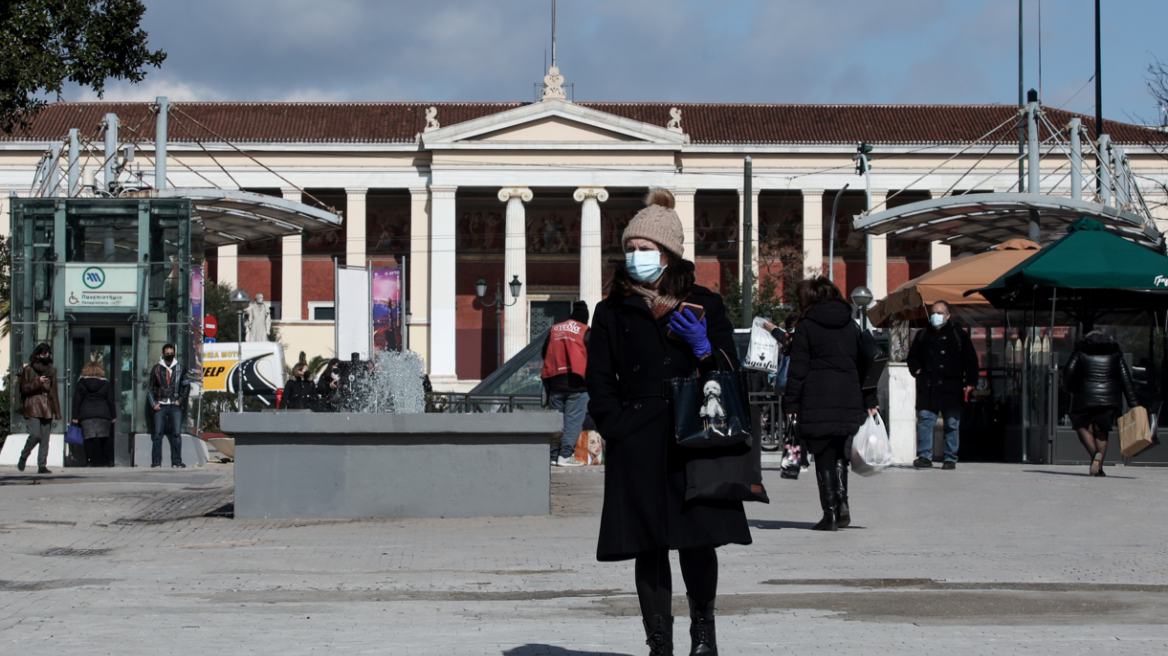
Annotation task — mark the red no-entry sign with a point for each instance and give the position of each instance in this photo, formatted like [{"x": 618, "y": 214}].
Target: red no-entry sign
[{"x": 210, "y": 326}]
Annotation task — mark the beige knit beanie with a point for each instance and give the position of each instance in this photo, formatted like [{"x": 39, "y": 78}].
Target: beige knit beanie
[{"x": 658, "y": 223}]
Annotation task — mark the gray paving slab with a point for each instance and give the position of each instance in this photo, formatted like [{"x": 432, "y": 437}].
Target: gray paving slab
[{"x": 985, "y": 559}]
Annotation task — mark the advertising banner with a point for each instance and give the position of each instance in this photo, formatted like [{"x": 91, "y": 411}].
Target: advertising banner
[
  {"x": 352, "y": 313},
  {"x": 196, "y": 357},
  {"x": 104, "y": 287},
  {"x": 387, "y": 309},
  {"x": 262, "y": 366}
]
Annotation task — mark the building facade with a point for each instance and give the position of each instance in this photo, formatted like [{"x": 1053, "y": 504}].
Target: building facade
[{"x": 542, "y": 191}]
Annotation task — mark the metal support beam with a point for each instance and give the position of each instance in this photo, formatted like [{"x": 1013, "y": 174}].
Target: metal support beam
[
  {"x": 747, "y": 246},
  {"x": 160, "y": 142},
  {"x": 1076, "y": 127},
  {"x": 1033, "y": 157},
  {"x": 74, "y": 170},
  {"x": 1122, "y": 189},
  {"x": 54, "y": 170},
  {"x": 109, "y": 169},
  {"x": 1104, "y": 147}
]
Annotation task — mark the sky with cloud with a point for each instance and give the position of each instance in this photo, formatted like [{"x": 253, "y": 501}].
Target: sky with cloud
[{"x": 752, "y": 51}]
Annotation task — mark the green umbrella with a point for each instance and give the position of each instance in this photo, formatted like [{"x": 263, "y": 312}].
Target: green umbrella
[{"x": 1097, "y": 269}]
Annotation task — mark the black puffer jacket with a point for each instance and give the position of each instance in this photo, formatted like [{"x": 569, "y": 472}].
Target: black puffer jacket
[
  {"x": 1096, "y": 375},
  {"x": 823, "y": 381},
  {"x": 93, "y": 398}
]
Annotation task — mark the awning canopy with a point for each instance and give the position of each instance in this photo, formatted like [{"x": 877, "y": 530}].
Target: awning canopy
[
  {"x": 231, "y": 216},
  {"x": 981, "y": 221}
]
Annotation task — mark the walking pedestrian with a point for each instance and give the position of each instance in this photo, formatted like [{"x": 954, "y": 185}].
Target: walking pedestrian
[
  {"x": 631, "y": 360},
  {"x": 167, "y": 388},
  {"x": 944, "y": 363},
  {"x": 824, "y": 392},
  {"x": 300, "y": 391},
  {"x": 39, "y": 405},
  {"x": 95, "y": 413},
  {"x": 1098, "y": 378},
  {"x": 565, "y": 362}
]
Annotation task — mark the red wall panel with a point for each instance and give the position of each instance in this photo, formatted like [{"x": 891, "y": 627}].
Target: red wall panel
[{"x": 318, "y": 282}]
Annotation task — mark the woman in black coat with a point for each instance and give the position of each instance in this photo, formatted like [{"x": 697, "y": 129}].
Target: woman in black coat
[
  {"x": 631, "y": 361},
  {"x": 96, "y": 412},
  {"x": 1098, "y": 378},
  {"x": 328, "y": 388},
  {"x": 300, "y": 392},
  {"x": 823, "y": 391}
]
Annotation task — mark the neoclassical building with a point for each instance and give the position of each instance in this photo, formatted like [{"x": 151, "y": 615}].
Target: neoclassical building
[{"x": 542, "y": 191}]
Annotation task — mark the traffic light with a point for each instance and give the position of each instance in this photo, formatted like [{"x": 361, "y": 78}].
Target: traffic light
[{"x": 862, "y": 158}]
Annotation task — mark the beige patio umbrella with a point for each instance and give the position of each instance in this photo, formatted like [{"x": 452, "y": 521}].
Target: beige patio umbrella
[{"x": 949, "y": 283}]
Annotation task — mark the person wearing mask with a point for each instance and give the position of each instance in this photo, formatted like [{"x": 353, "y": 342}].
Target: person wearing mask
[
  {"x": 1098, "y": 378},
  {"x": 39, "y": 405},
  {"x": 300, "y": 390},
  {"x": 944, "y": 363},
  {"x": 824, "y": 392},
  {"x": 167, "y": 389},
  {"x": 95, "y": 413},
  {"x": 328, "y": 387},
  {"x": 639, "y": 342},
  {"x": 565, "y": 361}
]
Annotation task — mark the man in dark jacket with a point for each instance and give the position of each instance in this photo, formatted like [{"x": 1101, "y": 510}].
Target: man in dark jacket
[
  {"x": 168, "y": 388},
  {"x": 944, "y": 362},
  {"x": 565, "y": 362}
]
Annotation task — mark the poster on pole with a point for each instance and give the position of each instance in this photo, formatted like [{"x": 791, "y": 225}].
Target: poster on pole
[
  {"x": 354, "y": 327},
  {"x": 196, "y": 356},
  {"x": 387, "y": 309}
]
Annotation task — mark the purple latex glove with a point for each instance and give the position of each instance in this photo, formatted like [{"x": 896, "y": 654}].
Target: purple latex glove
[{"x": 686, "y": 325}]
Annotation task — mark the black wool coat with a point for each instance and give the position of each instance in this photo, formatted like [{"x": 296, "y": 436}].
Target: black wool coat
[
  {"x": 823, "y": 378},
  {"x": 944, "y": 362},
  {"x": 630, "y": 363},
  {"x": 299, "y": 395}
]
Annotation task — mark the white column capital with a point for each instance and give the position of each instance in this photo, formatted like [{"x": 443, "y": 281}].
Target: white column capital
[
  {"x": 684, "y": 195},
  {"x": 356, "y": 193},
  {"x": 522, "y": 193},
  {"x": 810, "y": 191},
  {"x": 419, "y": 194},
  {"x": 442, "y": 193},
  {"x": 600, "y": 194}
]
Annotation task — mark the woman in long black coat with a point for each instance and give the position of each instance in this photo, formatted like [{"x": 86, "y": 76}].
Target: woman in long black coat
[
  {"x": 824, "y": 393},
  {"x": 300, "y": 392},
  {"x": 631, "y": 360},
  {"x": 1099, "y": 379},
  {"x": 95, "y": 412}
]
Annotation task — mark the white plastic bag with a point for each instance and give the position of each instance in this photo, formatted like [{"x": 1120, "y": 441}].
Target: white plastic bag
[
  {"x": 871, "y": 450},
  {"x": 763, "y": 353}
]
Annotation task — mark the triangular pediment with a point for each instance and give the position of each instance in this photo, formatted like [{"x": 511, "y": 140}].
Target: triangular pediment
[{"x": 549, "y": 123}]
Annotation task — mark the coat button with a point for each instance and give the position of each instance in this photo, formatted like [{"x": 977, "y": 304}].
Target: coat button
[
  {"x": 636, "y": 367},
  {"x": 942, "y": 351},
  {"x": 636, "y": 406},
  {"x": 665, "y": 361}
]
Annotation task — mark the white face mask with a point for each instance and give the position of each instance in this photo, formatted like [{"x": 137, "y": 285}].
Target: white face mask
[
  {"x": 644, "y": 266},
  {"x": 937, "y": 319}
]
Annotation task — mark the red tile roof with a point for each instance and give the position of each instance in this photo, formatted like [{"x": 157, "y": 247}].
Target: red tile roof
[{"x": 247, "y": 122}]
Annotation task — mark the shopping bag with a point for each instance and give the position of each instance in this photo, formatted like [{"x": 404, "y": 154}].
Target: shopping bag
[
  {"x": 73, "y": 435},
  {"x": 710, "y": 411},
  {"x": 1135, "y": 432},
  {"x": 763, "y": 352},
  {"x": 870, "y": 448},
  {"x": 792, "y": 460}
]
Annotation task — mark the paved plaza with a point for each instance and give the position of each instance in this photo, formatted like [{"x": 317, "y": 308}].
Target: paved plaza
[{"x": 988, "y": 559}]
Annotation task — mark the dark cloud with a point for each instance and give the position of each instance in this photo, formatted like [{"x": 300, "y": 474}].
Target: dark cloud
[{"x": 883, "y": 51}]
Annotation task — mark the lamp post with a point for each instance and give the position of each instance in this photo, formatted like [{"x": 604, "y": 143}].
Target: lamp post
[
  {"x": 862, "y": 297},
  {"x": 499, "y": 303},
  {"x": 239, "y": 302}
]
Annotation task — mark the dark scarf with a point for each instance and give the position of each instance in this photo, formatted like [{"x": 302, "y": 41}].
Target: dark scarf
[{"x": 43, "y": 369}]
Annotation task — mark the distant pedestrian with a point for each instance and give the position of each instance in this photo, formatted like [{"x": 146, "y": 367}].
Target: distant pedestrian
[
  {"x": 641, "y": 339},
  {"x": 824, "y": 392},
  {"x": 167, "y": 389},
  {"x": 95, "y": 412},
  {"x": 39, "y": 405},
  {"x": 328, "y": 387},
  {"x": 1098, "y": 379},
  {"x": 565, "y": 361},
  {"x": 300, "y": 390},
  {"x": 944, "y": 362}
]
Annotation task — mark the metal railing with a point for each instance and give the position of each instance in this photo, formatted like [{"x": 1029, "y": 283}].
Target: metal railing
[{"x": 482, "y": 402}]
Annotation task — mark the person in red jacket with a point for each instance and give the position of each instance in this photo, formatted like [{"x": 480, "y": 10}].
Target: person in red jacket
[{"x": 565, "y": 359}]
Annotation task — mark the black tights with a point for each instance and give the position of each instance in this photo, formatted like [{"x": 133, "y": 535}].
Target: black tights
[
  {"x": 827, "y": 452},
  {"x": 699, "y": 569}
]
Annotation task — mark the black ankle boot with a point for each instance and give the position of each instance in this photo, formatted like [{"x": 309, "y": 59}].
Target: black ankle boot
[
  {"x": 701, "y": 629},
  {"x": 841, "y": 478},
  {"x": 828, "y": 499},
  {"x": 659, "y": 635}
]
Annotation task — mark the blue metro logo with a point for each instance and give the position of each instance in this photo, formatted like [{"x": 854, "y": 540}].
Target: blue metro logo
[{"x": 93, "y": 278}]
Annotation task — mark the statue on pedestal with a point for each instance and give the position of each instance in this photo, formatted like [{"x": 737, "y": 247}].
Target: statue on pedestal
[{"x": 257, "y": 321}]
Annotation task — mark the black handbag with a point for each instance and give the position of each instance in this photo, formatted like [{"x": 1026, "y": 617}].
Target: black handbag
[
  {"x": 873, "y": 361},
  {"x": 792, "y": 451},
  {"x": 728, "y": 473},
  {"x": 710, "y": 411}
]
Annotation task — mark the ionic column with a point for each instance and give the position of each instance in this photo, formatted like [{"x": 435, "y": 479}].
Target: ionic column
[
  {"x": 291, "y": 269},
  {"x": 685, "y": 211},
  {"x": 878, "y": 251},
  {"x": 355, "y": 227},
  {"x": 813, "y": 232},
  {"x": 443, "y": 314},
  {"x": 228, "y": 267},
  {"x": 753, "y": 236},
  {"x": 591, "y": 257},
  {"x": 515, "y": 328},
  {"x": 419, "y": 274}
]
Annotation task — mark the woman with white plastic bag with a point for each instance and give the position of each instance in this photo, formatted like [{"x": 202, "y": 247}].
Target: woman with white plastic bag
[{"x": 824, "y": 391}]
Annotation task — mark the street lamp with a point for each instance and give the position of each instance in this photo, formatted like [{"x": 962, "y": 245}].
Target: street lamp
[
  {"x": 499, "y": 303},
  {"x": 239, "y": 302},
  {"x": 862, "y": 297}
]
